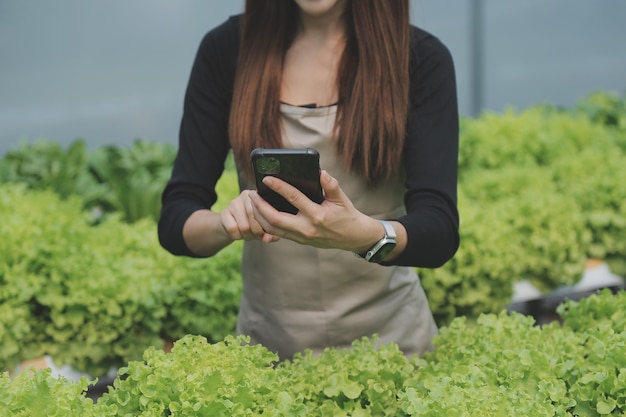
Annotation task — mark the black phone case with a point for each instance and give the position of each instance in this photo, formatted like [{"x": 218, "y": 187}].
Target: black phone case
[{"x": 298, "y": 167}]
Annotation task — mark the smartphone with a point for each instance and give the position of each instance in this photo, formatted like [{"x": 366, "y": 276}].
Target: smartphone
[{"x": 298, "y": 167}]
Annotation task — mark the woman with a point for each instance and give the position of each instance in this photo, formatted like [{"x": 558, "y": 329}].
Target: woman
[{"x": 377, "y": 98}]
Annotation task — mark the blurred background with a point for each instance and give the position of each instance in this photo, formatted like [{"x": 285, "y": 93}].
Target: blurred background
[{"x": 114, "y": 71}]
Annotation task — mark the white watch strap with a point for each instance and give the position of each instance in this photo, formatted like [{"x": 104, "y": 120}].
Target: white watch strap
[{"x": 390, "y": 234}]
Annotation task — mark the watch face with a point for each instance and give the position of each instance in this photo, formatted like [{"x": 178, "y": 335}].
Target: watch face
[{"x": 383, "y": 252}]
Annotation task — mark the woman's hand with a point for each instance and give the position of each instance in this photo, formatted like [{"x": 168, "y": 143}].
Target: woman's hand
[
  {"x": 238, "y": 220},
  {"x": 207, "y": 232},
  {"x": 335, "y": 223}
]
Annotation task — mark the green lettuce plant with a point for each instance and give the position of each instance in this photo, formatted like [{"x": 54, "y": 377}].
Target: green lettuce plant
[
  {"x": 38, "y": 394},
  {"x": 128, "y": 180},
  {"x": 86, "y": 295},
  {"x": 133, "y": 177},
  {"x": 598, "y": 310},
  {"x": 44, "y": 164},
  {"x": 201, "y": 296},
  {"x": 598, "y": 381},
  {"x": 596, "y": 180},
  {"x": 538, "y": 237},
  {"x": 233, "y": 378},
  {"x": 604, "y": 107},
  {"x": 506, "y": 365},
  {"x": 501, "y": 365},
  {"x": 537, "y": 136},
  {"x": 96, "y": 296},
  {"x": 228, "y": 378},
  {"x": 363, "y": 380}
]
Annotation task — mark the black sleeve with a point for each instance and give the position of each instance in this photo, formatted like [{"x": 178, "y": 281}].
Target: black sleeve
[
  {"x": 431, "y": 157},
  {"x": 203, "y": 138}
]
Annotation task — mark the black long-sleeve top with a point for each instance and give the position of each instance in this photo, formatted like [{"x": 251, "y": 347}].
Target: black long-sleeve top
[{"x": 430, "y": 151}]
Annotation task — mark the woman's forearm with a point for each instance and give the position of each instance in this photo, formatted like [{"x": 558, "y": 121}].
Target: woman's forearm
[{"x": 204, "y": 234}]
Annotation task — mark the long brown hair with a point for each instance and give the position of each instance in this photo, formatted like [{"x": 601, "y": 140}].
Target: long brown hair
[{"x": 372, "y": 81}]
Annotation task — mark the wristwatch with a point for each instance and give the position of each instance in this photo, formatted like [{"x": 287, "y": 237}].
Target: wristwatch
[{"x": 381, "y": 249}]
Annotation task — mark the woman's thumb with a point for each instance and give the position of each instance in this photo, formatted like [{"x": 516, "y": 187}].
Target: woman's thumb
[{"x": 330, "y": 185}]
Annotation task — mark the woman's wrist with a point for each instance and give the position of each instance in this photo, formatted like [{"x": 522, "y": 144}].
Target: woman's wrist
[
  {"x": 204, "y": 233},
  {"x": 377, "y": 232},
  {"x": 372, "y": 232}
]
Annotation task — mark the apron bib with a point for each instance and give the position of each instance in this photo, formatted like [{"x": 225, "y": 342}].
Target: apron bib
[{"x": 297, "y": 297}]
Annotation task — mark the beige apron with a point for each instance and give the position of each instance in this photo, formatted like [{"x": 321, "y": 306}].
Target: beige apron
[{"x": 297, "y": 297}]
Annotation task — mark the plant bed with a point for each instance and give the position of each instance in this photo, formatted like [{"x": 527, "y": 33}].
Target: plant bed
[
  {"x": 543, "y": 308},
  {"x": 497, "y": 365}
]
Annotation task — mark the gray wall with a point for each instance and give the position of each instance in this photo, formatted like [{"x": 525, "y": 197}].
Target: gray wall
[{"x": 111, "y": 71}]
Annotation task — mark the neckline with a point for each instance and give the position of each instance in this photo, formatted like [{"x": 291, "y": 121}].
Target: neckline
[
  {"x": 309, "y": 105},
  {"x": 308, "y": 111}
]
